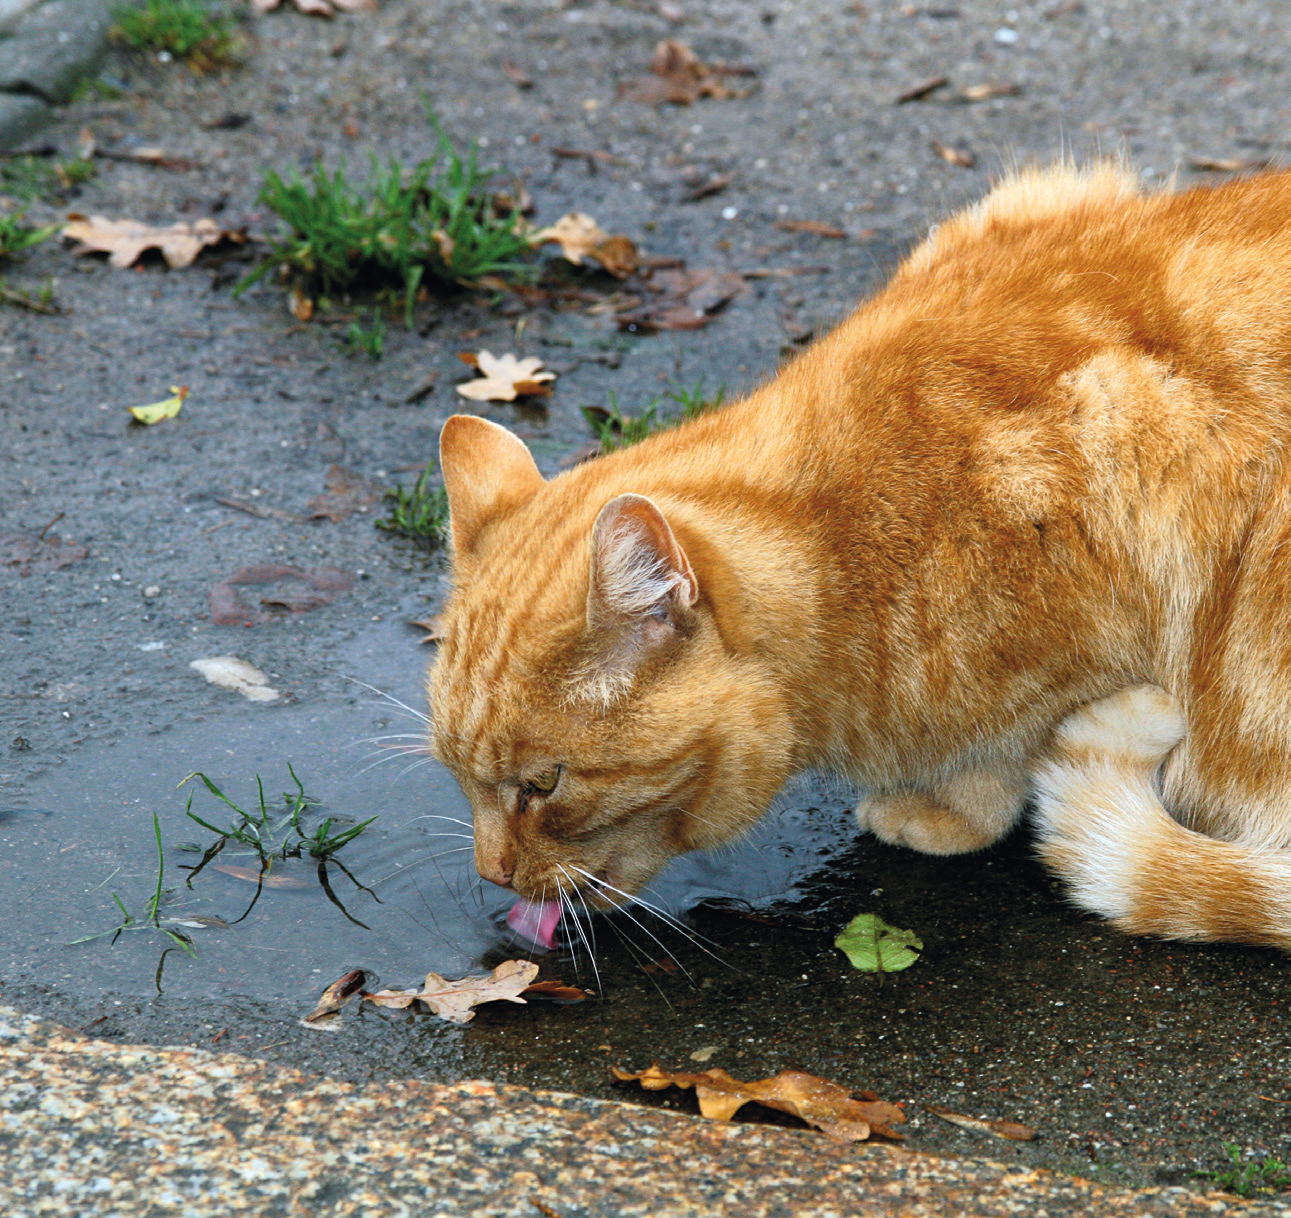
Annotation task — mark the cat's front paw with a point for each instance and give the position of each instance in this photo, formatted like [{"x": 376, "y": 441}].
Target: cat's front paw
[{"x": 916, "y": 820}]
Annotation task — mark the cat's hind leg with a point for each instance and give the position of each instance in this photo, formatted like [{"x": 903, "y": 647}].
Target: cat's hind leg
[
  {"x": 1104, "y": 829},
  {"x": 968, "y": 811}
]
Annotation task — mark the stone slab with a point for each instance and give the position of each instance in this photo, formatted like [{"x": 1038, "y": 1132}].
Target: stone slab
[
  {"x": 21, "y": 117},
  {"x": 89, "y": 1127},
  {"x": 53, "y": 48}
]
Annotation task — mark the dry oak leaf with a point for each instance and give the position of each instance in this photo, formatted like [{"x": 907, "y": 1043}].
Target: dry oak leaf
[
  {"x": 680, "y": 77},
  {"x": 579, "y": 237},
  {"x": 318, "y": 8},
  {"x": 456, "y": 1000},
  {"x": 124, "y": 240},
  {"x": 827, "y": 1105},
  {"x": 504, "y": 377}
]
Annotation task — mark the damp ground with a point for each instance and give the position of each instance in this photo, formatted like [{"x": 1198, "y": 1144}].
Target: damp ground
[{"x": 1136, "y": 1060}]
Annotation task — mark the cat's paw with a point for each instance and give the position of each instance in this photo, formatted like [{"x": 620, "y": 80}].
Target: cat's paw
[
  {"x": 916, "y": 820},
  {"x": 1139, "y": 725}
]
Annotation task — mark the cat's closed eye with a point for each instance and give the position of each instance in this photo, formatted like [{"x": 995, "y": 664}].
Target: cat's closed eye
[{"x": 543, "y": 783}]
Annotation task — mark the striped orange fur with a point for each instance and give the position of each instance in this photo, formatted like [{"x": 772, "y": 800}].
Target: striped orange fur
[{"x": 1017, "y": 527}]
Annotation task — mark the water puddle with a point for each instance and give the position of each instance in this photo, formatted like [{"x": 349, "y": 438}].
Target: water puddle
[{"x": 399, "y": 900}]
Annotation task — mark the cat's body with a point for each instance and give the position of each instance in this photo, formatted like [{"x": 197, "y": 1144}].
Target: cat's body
[{"x": 1046, "y": 465}]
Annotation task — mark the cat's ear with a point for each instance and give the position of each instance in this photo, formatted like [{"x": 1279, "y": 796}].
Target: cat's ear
[
  {"x": 640, "y": 575},
  {"x": 486, "y": 471}
]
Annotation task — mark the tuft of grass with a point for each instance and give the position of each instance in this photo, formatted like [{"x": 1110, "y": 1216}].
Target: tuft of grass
[
  {"x": 395, "y": 232},
  {"x": 201, "y": 34},
  {"x": 27, "y": 178},
  {"x": 16, "y": 236},
  {"x": 616, "y": 430},
  {"x": 367, "y": 340},
  {"x": 151, "y": 919},
  {"x": 420, "y": 514},
  {"x": 1248, "y": 1177},
  {"x": 273, "y": 832}
]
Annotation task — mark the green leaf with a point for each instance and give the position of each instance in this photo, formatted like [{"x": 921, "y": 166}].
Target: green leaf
[{"x": 875, "y": 947}]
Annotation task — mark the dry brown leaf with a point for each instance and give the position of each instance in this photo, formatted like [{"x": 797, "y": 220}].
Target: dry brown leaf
[
  {"x": 953, "y": 156},
  {"x": 1011, "y": 1130},
  {"x": 318, "y": 8},
  {"x": 456, "y": 1000},
  {"x": 505, "y": 378},
  {"x": 557, "y": 991},
  {"x": 37, "y": 554},
  {"x": 124, "y": 240},
  {"x": 433, "y": 626},
  {"x": 579, "y": 237},
  {"x": 687, "y": 300},
  {"x": 336, "y": 996},
  {"x": 818, "y": 228},
  {"x": 679, "y": 77},
  {"x": 826, "y": 1105},
  {"x": 345, "y": 493}
]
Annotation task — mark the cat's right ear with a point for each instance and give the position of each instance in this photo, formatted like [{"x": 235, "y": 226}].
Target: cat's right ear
[{"x": 486, "y": 471}]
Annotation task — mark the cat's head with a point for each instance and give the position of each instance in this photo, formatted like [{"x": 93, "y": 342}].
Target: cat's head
[{"x": 596, "y": 693}]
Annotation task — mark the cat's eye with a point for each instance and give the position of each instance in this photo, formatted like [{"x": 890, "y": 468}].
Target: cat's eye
[{"x": 544, "y": 783}]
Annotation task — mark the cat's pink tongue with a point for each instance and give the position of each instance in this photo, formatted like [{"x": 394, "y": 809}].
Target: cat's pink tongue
[{"x": 535, "y": 920}]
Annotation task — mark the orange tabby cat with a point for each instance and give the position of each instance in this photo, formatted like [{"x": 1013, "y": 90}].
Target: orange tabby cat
[{"x": 1018, "y": 529}]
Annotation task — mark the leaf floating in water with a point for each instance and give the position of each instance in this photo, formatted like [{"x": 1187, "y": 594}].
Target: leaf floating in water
[
  {"x": 875, "y": 947},
  {"x": 827, "y": 1105},
  {"x": 255, "y": 875}
]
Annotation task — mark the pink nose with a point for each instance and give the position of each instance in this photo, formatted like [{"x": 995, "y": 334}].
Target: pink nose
[{"x": 498, "y": 870}]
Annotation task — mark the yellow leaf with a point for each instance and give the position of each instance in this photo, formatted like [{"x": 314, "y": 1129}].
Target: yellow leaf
[{"x": 161, "y": 410}]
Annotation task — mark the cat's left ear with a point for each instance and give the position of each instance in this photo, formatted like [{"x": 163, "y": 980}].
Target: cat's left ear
[
  {"x": 486, "y": 471},
  {"x": 640, "y": 575}
]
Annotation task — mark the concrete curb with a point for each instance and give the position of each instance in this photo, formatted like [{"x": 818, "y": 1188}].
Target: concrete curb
[
  {"x": 46, "y": 50},
  {"x": 89, "y": 1127}
]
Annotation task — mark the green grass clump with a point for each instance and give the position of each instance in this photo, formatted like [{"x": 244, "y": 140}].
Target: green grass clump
[
  {"x": 26, "y": 178},
  {"x": 273, "y": 832},
  {"x": 16, "y": 236},
  {"x": 616, "y": 430},
  {"x": 396, "y": 231},
  {"x": 420, "y": 514},
  {"x": 367, "y": 340},
  {"x": 1249, "y": 1178},
  {"x": 199, "y": 33}
]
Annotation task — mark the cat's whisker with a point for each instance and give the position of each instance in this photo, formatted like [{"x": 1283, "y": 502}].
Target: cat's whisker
[
  {"x": 452, "y": 820},
  {"x": 420, "y": 716},
  {"x": 413, "y": 862},
  {"x": 626, "y": 910},
  {"x": 639, "y": 957},
  {"x": 567, "y": 900},
  {"x": 668, "y": 919}
]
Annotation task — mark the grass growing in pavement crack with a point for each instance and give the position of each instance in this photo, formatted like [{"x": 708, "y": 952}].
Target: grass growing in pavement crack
[
  {"x": 420, "y": 514},
  {"x": 16, "y": 236},
  {"x": 615, "y": 430},
  {"x": 204, "y": 35},
  {"x": 396, "y": 231},
  {"x": 1249, "y": 1178}
]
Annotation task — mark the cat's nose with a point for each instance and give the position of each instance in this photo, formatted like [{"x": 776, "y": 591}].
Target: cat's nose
[{"x": 499, "y": 870}]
